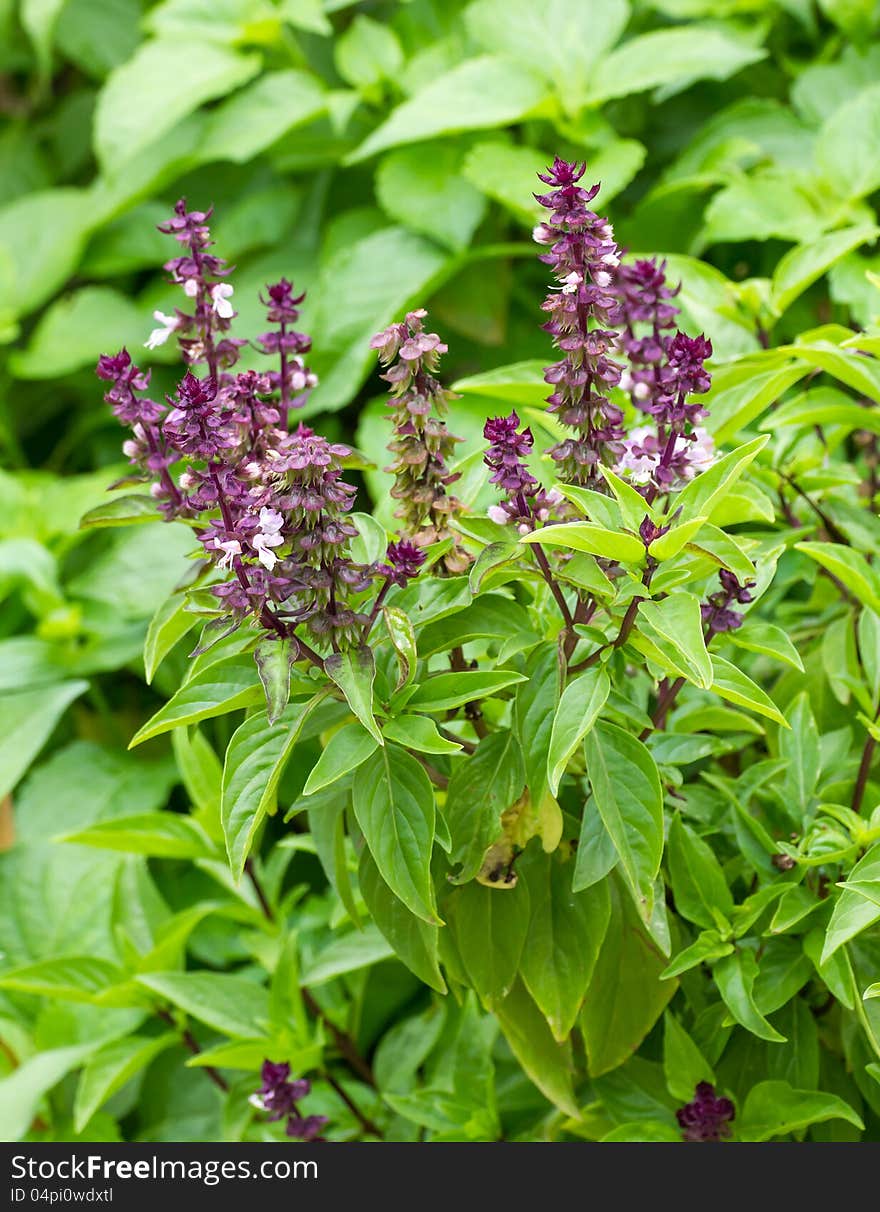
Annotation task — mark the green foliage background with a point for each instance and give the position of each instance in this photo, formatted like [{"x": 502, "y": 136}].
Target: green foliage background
[{"x": 382, "y": 155}]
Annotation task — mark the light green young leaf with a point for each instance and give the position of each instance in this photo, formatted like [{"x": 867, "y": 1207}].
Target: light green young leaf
[
  {"x": 249, "y": 121},
  {"x": 676, "y": 623},
  {"x": 774, "y": 1108},
  {"x": 443, "y": 691},
  {"x": 418, "y": 732},
  {"x": 707, "y": 491},
  {"x": 345, "y": 751},
  {"x": 587, "y": 536},
  {"x": 579, "y": 707},
  {"x": 549, "y": 1064},
  {"x": 698, "y": 884},
  {"x": 230, "y": 1004},
  {"x": 157, "y": 834},
  {"x": 223, "y": 687},
  {"x": 757, "y": 636},
  {"x": 850, "y": 567},
  {"x": 803, "y": 265},
  {"x": 735, "y": 977},
  {"x": 734, "y": 686},
  {"x": 107, "y": 1070},
  {"x": 422, "y": 187}
]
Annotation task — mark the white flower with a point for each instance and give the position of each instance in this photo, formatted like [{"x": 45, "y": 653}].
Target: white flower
[
  {"x": 626, "y": 381},
  {"x": 610, "y": 259},
  {"x": 221, "y": 294},
  {"x": 701, "y": 452},
  {"x": 157, "y": 491},
  {"x": 571, "y": 283},
  {"x": 131, "y": 448},
  {"x": 602, "y": 278},
  {"x": 498, "y": 514},
  {"x": 186, "y": 481},
  {"x": 160, "y": 335},
  {"x": 524, "y": 528},
  {"x": 642, "y": 391},
  {"x": 640, "y": 466},
  {"x": 190, "y": 287},
  {"x": 256, "y": 1100},
  {"x": 267, "y": 537},
  {"x": 542, "y": 234},
  {"x": 230, "y": 549}
]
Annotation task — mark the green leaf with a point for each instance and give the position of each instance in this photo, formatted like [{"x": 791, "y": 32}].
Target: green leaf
[
  {"x": 22, "y": 1090},
  {"x": 481, "y": 788},
  {"x": 42, "y": 236},
  {"x": 75, "y": 978},
  {"x": 394, "y": 805},
  {"x": 252, "y": 768},
  {"x": 251, "y": 120},
  {"x": 776, "y": 1109},
  {"x": 443, "y": 691},
  {"x": 171, "y": 622},
  {"x": 733, "y": 685},
  {"x": 708, "y": 946},
  {"x": 353, "y": 672},
  {"x": 230, "y": 1004},
  {"x": 564, "y": 39},
  {"x": 415, "y": 942},
  {"x": 850, "y": 567},
  {"x": 802, "y": 266},
  {"x": 735, "y": 977},
  {"x": 708, "y": 490},
  {"x": 492, "y": 615},
  {"x": 345, "y": 751},
  {"x": 27, "y": 720},
  {"x": 847, "y": 150},
  {"x": 422, "y": 188},
  {"x": 72, "y": 333},
  {"x": 107, "y": 1071},
  {"x": 626, "y": 786},
  {"x": 158, "y": 86},
  {"x": 852, "y": 913},
  {"x": 586, "y": 536},
  {"x": 226, "y": 686},
  {"x": 565, "y": 934},
  {"x": 495, "y": 555},
  {"x": 367, "y": 53},
  {"x": 418, "y": 732},
  {"x": 698, "y": 884},
  {"x": 403, "y": 640},
  {"x": 676, "y": 623},
  {"x": 799, "y": 747},
  {"x": 671, "y": 543},
  {"x": 548, "y": 1063},
  {"x": 157, "y": 834},
  {"x": 757, "y": 636},
  {"x": 480, "y": 93},
  {"x": 684, "y": 1065},
  {"x": 520, "y": 383},
  {"x": 824, "y": 406},
  {"x": 579, "y": 707},
  {"x": 490, "y": 927},
  {"x": 673, "y": 58},
  {"x": 275, "y": 657},
  {"x": 350, "y": 952},
  {"x": 362, "y": 287},
  {"x": 626, "y": 995},
  {"x": 121, "y": 511}
]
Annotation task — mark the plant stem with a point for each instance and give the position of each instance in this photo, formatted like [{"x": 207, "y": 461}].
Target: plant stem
[
  {"x": 553, "y": 584},
  {"x": 364, "y": 1120},
  {"x": 259, "y": 890},
  {"x": 834, "y": 534},
  {"x": 864, "y": 768},
  {"x": 190, "y": 1043}
]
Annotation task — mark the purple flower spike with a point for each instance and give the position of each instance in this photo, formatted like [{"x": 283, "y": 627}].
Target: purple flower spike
[
  {"x": 526, "y": 502},
  {"x": 279, "y": 1096},
  {"x": 405, "y": 561},
  {"x": 716, "y": 611},
  {"x": 583, "y": 314},
  {"x": 421, "y": 444},
  {"x": 706, "y": 1117},
  {"x": 294, "y": 380},
  {"x": 645, "y": 295}
]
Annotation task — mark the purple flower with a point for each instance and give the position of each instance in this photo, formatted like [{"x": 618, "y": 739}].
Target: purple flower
[
  {"x": 279, "y": 1097},
  {"x": 644, "y": 296},
  {"x": 293, "y": 380},
  {"x": 648, "y": 531},
  {"x": 583, "y": 314},
  {"x": 647, "y": 460},
  {"x": 716, "y": 611},
  {"x": 706, "y": 1117},
  {"x": 421, "y": 444},
  {"x": 509, "y": 446},
  {"x": 404, "y": 562},
  {"x": 307, "y": 1128}
]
